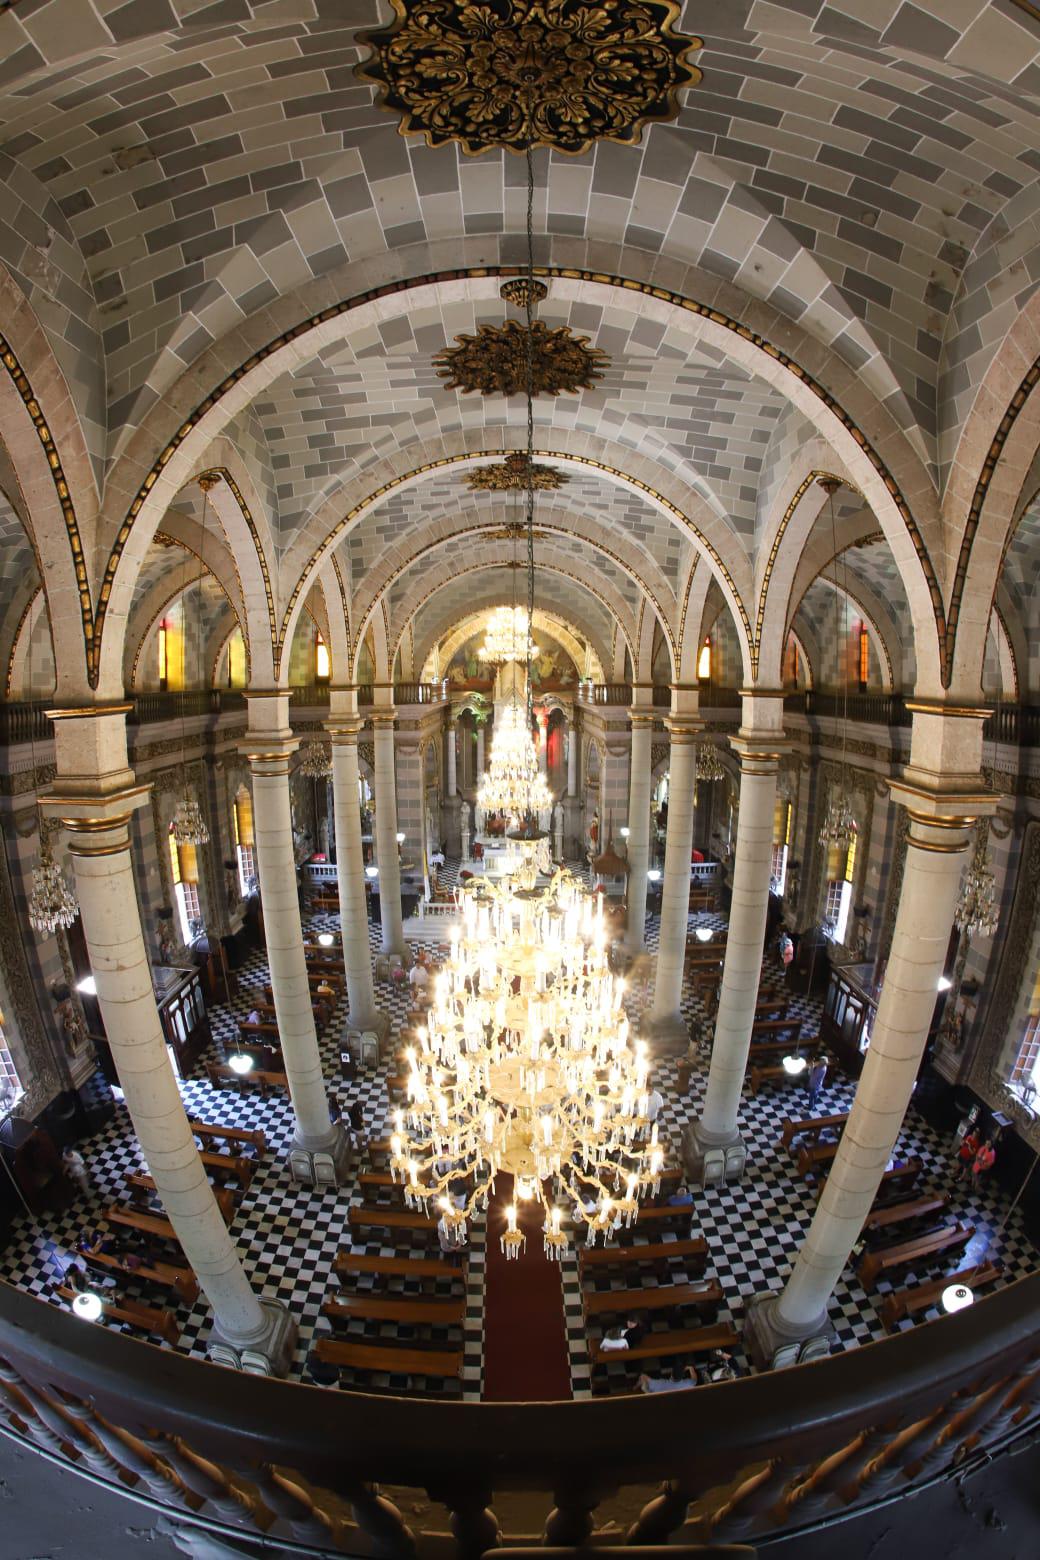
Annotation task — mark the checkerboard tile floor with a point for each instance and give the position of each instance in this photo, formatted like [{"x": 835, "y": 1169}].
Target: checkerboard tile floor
[{"x": 288, "y": 1237}]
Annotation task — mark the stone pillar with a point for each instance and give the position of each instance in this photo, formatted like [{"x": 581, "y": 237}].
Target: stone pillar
[
  {"x": 386, "y": 834},
  {"x": 941, "y": 820},
  {"x": 344, "y": 725},
  {"x": 319, "y": 1154},
  {"x": 572, "y": 758},
  {"x": 480, "y": 753},
  {"x": 249, "y": 1333},
  {"x": 543, "y": 743},
  {"x": 452, "y": 781},
  {"x": 638, "y": 827},
  {"x": 758, "y": 746},
  {"x": 665, "y": 1027}
]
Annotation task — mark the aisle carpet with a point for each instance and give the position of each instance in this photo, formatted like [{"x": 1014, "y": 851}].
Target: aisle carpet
[{"x": 525, "y": 1343}]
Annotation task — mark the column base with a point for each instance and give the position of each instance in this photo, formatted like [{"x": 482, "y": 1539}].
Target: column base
[
  {"x": 323, "y": 1165},
  {"x": 772, "y": 1343},
  {"x": 268, "y": 1355},
  {"x": 712, "y": 1158},
  {"x": 374, "y": 1028},
  {"x": 666, "y": 1036}
]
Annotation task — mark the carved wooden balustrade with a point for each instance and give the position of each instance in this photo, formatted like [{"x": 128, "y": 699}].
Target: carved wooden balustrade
[{"x": 307, "y": 1467}]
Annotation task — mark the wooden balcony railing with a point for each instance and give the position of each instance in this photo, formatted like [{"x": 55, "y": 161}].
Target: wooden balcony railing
[{"x": 301, "y": 1466}]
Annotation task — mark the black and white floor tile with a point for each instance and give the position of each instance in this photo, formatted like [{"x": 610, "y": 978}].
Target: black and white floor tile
[{"x": 288, "y": 1237}]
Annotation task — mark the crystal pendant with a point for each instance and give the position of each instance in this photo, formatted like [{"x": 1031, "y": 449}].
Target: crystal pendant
[
  {"x": 839, "y": 826},
  {"x": 51, "y": 901},
  {"x": 976, "y": 912},
  {"x": 189, "y": 826},
  {"x": 315, "y": 761}
]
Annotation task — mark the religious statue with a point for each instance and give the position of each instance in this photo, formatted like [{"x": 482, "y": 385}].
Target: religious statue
[
  {"x": 860, "y": 939},
  {"x": 232, "y": 892},
  {"x": 167, "y": 946},
  {"x": 323, "y": 838},
  {"x": 73, "y": 1030}
]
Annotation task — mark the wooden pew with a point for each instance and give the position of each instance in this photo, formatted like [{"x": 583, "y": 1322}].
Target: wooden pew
[
  {"x": 368, "y": 1216},
  {"x": 320, "y": 1009},
  {"x": 421, "y": 1270},
  {"x": 236, "y": 1166},
  {"x": 161, "y": 1275},
  {"x": 902, "y": 1303},
  {"x": 144, "y": 1318},
  {"x": 811, "y": 1157},
  {"x": 209, "y": 1132},
  {"x": 417, "y": 1313},
  {"x": 775, "y": 1027},
  {"x": 880, "y": 1220},
  {"x": 759, "y": 1076},
  {"x": 952, "y": 1237},
  {"x": 140, "y": 1185},
  {"x": 152, "y": 1225},
  {"x": 262, "y": 1031},
  {"x": 693, "y": 1253},
  {"x": 668, "y": 1345},
  {"x": 811, "y": 1127},
  {"x": 222, "y": 1077},
  {"x": 443, "y": 1364},
  {"x": 663, "y": 1297},
  {"x": 654, "y": 1217},
  {"x": 898, "y": 1183}
]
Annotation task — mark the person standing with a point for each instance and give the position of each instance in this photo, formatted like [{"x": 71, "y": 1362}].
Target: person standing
[
  {"x": 969, "y": 1147},
  {"x": 815, "y": 1079},
  {"x": 76, "y": 1169},
  {"x": 983, "y": 1163}
]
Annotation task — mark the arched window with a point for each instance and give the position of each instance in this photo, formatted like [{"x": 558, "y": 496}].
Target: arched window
[
  {"x": 185, "y": 866},
  {"x": 841, "y": 868},
  {"x": 11, "y": 1089},
  {"x": 1025, "y": 1072},
  {"x": 244, "y": 840},
  {"x": 704, "y": 662},
  {"x": 781, "y": 842},
  {"x": 322, "y": 664}
]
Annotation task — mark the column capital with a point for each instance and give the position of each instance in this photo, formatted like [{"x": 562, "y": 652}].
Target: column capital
[
  {"x": 686, "y": 698},
  {"x": 98, "y": 825},
  {"x": 641, "y": 715},
  {"x": 683, "y": 728},
  {"x": 343, "y": 700},
  {"x": 268, "y": 753},
  {"x": 383, "y": 717},
  {"x": 344, "y": 729},
  {"x": 941, "y": 820},
  {"x": 946, "y": 745},
  {"x": 90, "y": 749},
  {"x": 759, "y": 752}
]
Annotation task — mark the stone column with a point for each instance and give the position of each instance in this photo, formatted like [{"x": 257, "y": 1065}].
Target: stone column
[
  {"x": 249, "y": 1333},
  {"x": 638, "y": 826},
  {"x": 480, "y": 754},
  {"x": 572, "y": 758},
  {"x": 572, "y": 803},
  {"x": 543, "y": 743},
  {"x": 320, "y": 1153},
  {"x": 665, "y": 1027},
  {"x": 344, "y": 725},
  {"x": 939, "y": 837},
  {"x": 452, "y": 781},
  {"x": 386, "y": 834},
  {"x": 758, "y": 746}
]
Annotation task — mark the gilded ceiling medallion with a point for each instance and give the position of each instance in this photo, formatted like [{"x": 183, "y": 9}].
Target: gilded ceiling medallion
[
  {"x": 511, "y": 474},
  {"x": 515, "y": 533},
  {"x": 519, "y": 73},
  {"x": 494, "y": 361},
  {"x": 519, "y": 288}
]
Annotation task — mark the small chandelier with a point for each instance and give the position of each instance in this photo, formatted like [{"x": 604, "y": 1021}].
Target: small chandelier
[
  {"x": 315, "y": 761},
  {"x": 709, "y": 765},
  {"x": 513, "y": 784},
  {"x": 506, "y": 638},
  {"x": 51, "y": 901},
  {"x": 188, "y": 826},
  {"x": 839, "y": 826},
  {"x": 976, "y": 912}
]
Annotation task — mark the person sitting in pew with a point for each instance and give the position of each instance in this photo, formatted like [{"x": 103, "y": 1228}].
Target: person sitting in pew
[
  {"x": 682, "y": 1197},
  {"x": 718, "y": 1366},
  {"x": 614, "y": 1340},
  {"x": 93, "y": 1241},
  {"x": 680, "y": 1378}
]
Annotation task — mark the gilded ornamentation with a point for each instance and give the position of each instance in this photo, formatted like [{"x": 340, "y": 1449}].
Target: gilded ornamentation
[
  {"x": 512, "y": 474},
  {"x": 494, "y": 361},
  {"x": 520, "y": 290},
  {"x": 519, "y": 73}
]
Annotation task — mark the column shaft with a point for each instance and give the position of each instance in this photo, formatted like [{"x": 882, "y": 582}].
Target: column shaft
[
  {"x": 572, "y": 759},
  {"x": 276, "y": 866},
  {"x": 638, "y": 829},
  {"x": 928, "y": 898},
  {"x": 452, "y": 770},
  {"x": 743, "y": 962},
  {"x": 350, "y": 874},
  {"x": 386, "y": 835},
  {"x": 675, "y": 895},
  {"x": 115, "y": 944}
]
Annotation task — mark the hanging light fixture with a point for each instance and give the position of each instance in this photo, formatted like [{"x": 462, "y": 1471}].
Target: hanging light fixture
[
  {"x": 513, "y": 783},
  {"x": 51, "y": 900},
  {"x": 315, "y": 761},
  {"x": 188, "y": 826},
  {"x": 709, "y": 765},
  {"x": 52, "y": 903},
  {"x": 977, "y": 914},
  {"x": 505, "y": 638},
  {"x": 524, "y": 1065},
  {"x": 839, "y": 825}
]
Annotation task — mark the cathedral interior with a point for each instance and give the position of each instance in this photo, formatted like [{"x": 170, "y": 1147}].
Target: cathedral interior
[{"x": 519, "y": 767}]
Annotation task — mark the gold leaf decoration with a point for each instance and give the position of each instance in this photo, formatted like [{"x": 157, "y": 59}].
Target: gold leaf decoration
[
  {"x": 519, "y": 73},
  {"x": 511, "y": 474},
  {"x": 494, "y": 361}
]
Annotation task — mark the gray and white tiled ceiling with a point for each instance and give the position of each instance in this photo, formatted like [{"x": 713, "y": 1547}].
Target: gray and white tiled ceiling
[{"x": 173, "y": 167}]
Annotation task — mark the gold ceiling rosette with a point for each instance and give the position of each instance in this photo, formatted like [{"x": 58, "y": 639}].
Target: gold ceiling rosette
[
  {"x": 522, "y": 73},
  {"x": 512, "y": 474},
  {"x": 495, "y": 360}
]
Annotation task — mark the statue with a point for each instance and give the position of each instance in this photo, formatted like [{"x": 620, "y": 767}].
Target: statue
[
  {"x": 167, "y": 946},
  {"x": 860, "y": 939},
  {"x": 323, "y": 838},
  {"x": 464, "y": 828},
  {"x": 73, "y": 1030}
]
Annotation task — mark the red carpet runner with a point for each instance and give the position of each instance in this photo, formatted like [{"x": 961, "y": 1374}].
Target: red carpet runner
[{"x": 525, "y": 1343}]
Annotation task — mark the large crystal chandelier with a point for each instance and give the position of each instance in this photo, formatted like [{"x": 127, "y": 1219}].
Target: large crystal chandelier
[
  {"x": 524, "y": 1065},
  {"x": 709, "y": 765},
  {"x": 512, "y": 783},
  {"x": 315, "y": 761},
  {"x": 977, "y": 912},
  {"x": 506, "y": 637},
  {"x": 839, "y": 825},
  {"x": 51, "y": 901},
  {"x": 188, "y": 826}
]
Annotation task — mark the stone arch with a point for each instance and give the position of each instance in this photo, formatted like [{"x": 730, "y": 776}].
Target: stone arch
[{"x": 884, "y": 466}]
